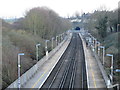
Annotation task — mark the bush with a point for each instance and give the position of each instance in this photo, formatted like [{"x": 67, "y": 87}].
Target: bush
[{"x": 13, "y": 43}]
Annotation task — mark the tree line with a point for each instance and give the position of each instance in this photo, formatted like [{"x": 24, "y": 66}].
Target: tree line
[
  {"x": 43, "y": 22},
  {"x": 36, "y": 26},
  {"x": 102, "y": 23},
  {"x": 105, "y": 27}
]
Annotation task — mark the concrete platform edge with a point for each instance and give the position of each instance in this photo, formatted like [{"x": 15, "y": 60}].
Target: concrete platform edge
[
  {"x": 54, "y": 65},
  {"x": 85, "y": 61},
  {"x": 31, "y": 72},
  {"x": 103, "y": 72}
]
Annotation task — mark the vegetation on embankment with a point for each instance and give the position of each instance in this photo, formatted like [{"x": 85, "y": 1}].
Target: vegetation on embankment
[
  {"x": 21, "y": 36},
  {"x": 103, "y": 25}
]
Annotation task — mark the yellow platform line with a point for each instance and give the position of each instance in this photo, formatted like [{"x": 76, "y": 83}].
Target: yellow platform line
[
  {"x": 39, "y": 79},
  {"x": 93, "y": 76}
]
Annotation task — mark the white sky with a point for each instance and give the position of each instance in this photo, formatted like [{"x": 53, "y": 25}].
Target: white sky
[{"x": 17, "y": 8}]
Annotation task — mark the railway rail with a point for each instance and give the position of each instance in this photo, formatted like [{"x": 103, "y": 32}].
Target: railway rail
[{"x": 70, "y": 71}]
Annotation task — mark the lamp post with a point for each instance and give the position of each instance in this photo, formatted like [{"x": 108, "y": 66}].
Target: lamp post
[
  {"x": 98, "y": 44},
  {"x": 94, "y": 43},
  {"x": 19, "y": 84},
  {"x": 46, "y": 47},
  {"x": 62, "y": 36},
  {"x": 56, "y": 40},
  {"x": 103, "y": 53},
  {"x": 37, "y": 45},
  {"x": 118, "y": 27},
  {"x": 98, "y": 51},
  {"x": 52, "y": 42},
  {"x": 59, "y": 38},
  {"x": 111, "y": 76}
]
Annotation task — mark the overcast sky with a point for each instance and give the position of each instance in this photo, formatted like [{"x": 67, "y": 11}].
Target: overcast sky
[{"x": 17, "y": 8}]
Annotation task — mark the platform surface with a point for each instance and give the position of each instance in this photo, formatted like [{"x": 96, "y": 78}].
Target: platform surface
[
  {"x": 39, "y": 78},
  {"x": 94, "y": 75}
]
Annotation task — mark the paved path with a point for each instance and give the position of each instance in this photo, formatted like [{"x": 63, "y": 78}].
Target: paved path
[{"x": 94, "y": 76}]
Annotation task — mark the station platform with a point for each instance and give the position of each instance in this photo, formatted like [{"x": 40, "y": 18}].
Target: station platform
[
  {"x": 46, "y": 68},
  {"x": 94, "y": 75}
]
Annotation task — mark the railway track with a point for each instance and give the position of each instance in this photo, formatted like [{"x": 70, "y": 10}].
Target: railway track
[{"x": 70, "y": 70}]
